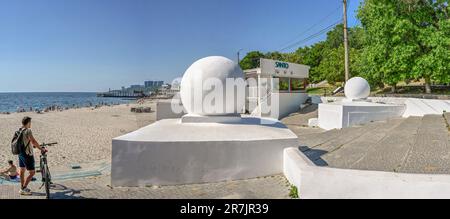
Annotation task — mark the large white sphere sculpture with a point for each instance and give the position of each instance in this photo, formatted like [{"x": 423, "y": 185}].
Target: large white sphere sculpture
[
  {"x": 201, "y": 74},
  {"x": 357, "y": 88}
]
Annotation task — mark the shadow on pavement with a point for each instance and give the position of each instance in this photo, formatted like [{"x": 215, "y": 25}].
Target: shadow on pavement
[
  {"x": 59, "y": 191},
  {"x": 314, "y": 155},
  {"x": 309, "y": 109}
]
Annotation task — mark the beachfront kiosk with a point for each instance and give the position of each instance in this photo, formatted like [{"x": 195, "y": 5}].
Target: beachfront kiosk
[
  {"x": 211, "y": 143},
  {"x": 279, "y": 88}
]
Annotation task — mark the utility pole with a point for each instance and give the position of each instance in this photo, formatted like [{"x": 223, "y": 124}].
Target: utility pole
[{"x": 347, "y": 59}]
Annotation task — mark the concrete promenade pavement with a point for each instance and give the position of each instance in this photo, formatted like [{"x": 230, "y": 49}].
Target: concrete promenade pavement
[
  {"x": 271, "y": 187},
  {"x": 406, "y": 145}
]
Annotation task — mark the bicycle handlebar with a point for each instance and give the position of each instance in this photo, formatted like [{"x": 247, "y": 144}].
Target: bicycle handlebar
[{"x": 49, "y": 144}]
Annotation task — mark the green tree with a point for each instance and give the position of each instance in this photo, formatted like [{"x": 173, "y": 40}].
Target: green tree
[
  {"x": 329, "y": 55},
  {"x": 404, "y": 40},
  {"x": 251, "y": 60},
  {"x": 432, "y": 22},
  {"x": 312, "y": 56},
  {"x": 275, "y": 56}
]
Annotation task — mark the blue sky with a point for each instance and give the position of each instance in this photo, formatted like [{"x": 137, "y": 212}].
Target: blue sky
[{"x": 93, "y": 45}]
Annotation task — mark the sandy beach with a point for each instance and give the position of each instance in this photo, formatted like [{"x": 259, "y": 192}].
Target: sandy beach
[{"x": 84, "y": 135}]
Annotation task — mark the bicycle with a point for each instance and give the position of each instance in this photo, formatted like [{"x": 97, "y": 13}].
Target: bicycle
[{"x": 45, "y": 172}]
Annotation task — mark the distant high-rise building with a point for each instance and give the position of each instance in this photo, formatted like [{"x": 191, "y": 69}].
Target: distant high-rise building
[
  {"x": 148, "y": 84},
  {"x": 153, "y": 84}
]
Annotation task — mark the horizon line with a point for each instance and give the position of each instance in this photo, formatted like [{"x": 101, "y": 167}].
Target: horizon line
[{"x": 50, "y": 91}]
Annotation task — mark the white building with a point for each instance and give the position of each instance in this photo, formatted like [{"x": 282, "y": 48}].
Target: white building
[{"x": 282, "y": 88}]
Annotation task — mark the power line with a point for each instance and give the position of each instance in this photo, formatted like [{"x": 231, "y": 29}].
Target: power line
[
  {"x": 315, "y": 35},
  {"x": 313, "y": 26}
]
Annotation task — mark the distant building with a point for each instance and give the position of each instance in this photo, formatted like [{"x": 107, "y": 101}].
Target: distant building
[
  {"x": 136, "y": 86},
  {"x": 165, "y": 87},
  {"x": 153, "y": 84},
  {"x": 148, "y": 84}
]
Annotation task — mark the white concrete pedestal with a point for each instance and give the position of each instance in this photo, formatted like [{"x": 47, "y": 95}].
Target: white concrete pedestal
[
  {"x": 170, "y": 152},
  {"x": 344, "y": 114}
]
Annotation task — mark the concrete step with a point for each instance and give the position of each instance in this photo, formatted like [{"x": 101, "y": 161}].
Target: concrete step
[
  {"x": 311, "y": 140},
  {"x": 389, "y": 152},
  {"x": 357, "y": 149},
  {"x": 430, "y": 152},
  {"x": 337, "y": 139}
]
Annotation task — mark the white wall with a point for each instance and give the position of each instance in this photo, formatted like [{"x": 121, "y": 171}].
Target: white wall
[
  {"x": 414, "y": 106},
  {"x": 287, "y": 103},
  {"x": 331, "y": 183}
]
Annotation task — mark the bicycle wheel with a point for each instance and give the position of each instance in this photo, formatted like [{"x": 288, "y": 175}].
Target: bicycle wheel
[{"x": 46, "y": 179}]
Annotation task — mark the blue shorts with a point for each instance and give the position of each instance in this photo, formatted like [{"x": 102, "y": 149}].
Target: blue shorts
[{"x": 26, "y": 161}]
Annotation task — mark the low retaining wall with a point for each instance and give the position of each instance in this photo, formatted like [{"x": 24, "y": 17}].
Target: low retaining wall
[
  {"x": 414, "y": 106},
  {"x": 325, "y": 182}
]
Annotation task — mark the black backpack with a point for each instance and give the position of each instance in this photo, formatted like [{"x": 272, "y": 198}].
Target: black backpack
[{"x": 17, "y": 143}]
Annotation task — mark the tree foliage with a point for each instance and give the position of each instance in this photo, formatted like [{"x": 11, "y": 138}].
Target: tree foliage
[
  {"x": 405, "y": 40},
  {"x": 251, "y": 60}
]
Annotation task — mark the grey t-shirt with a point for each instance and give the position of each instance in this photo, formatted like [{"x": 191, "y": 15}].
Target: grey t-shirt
[{"x": 27, "y": 134}]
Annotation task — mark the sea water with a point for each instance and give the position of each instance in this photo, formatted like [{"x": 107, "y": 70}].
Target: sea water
[{"x": 11, "y": 102}]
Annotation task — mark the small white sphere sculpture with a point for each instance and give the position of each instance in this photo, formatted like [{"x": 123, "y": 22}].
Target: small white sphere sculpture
[
  {"x": 196, "y": 87},
  {"x": 357, "y": 88}
]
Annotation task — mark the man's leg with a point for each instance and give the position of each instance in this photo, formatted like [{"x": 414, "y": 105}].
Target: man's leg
[
  {"x": 22, "y": 177},
  {"x": 29, "y": 163},
  {"x": 30, "y": 176}
]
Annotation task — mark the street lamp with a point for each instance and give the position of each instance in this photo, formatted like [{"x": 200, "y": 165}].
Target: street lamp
[{"x": 238, "y": 52}]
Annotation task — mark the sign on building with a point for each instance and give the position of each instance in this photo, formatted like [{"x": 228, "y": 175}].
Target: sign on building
[{"x": 283, "y": 69}]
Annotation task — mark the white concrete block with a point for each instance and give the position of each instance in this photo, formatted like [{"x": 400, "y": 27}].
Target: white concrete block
[
  {"x": 169, "y": 152},
  {"x": 338, "y": 115}
]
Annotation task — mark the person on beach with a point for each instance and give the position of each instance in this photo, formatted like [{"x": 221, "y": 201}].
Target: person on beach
[
  {"x": 10, "y": 173},
  {"x": 26, "y": 157}
]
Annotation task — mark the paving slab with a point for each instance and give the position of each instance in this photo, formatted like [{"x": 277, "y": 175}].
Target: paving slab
[
  {"x": 389, "y": 153},
  {"x": 344, "y": 136},
  {"x": 301, "y": 118},
  {"x": 359, "y": 148},
  {"x": 430, "y": 152}
]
